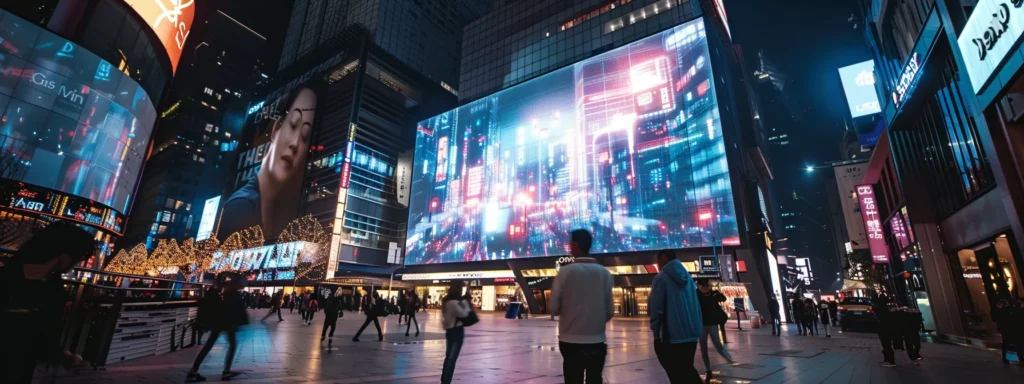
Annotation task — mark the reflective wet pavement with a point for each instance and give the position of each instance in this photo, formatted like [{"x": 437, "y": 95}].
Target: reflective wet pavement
[{"x": 499, "y": 350}]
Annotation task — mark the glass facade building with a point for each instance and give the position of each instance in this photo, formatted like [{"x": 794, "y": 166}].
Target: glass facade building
[
  {"x": 945, "y": 171},
  {"x": 521, "y": 40}
]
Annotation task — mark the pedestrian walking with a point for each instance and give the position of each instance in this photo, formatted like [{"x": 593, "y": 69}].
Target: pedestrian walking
[
  {"x": 453, "y": 310},
  {"x": 911, "y": 322},
  {"x": 833, "y": 309},
  {"x": 412, "y": 305},
  {"x": 824, "y": 311},
  {"x": 581, "y": 296},
  {"x": 332, "y": 311},
  {"x": 314, "y": 306},
  {"x": 275, "y": 305},
  {"x": 401, "y": 302},
  {"x": 375, "y": 307},
  {"x": 797, "y": 306},
  {"x": 32, "y": 300},
  {"x": 887, "y": 330},
  {"x": 676, "y": 319},
  {"x": 811, "y": 317},
  {"x": 773, "y": 311},
  {"x": 294, "y": 302},
  {"x": 712, "y": 315},
  {"x": 1008, "y": 320},
  {"x": 224, "y": 317},
  {"x": 304, "y": 307}
]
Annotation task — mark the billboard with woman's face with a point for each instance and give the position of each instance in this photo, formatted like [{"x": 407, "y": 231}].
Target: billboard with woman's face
[{"x": 269, "y": 195}]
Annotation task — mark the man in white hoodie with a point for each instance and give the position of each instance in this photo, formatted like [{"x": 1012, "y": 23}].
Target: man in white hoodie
[{"x": 581, "y": 296}]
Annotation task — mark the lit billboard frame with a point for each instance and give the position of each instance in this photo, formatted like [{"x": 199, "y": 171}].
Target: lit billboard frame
[
  {"x": 859, "y": 86},
  {"x": 627, "y": 144}
]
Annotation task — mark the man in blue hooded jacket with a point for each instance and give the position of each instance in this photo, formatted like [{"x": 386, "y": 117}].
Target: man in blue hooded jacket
[{"x": 675, "y": 319}]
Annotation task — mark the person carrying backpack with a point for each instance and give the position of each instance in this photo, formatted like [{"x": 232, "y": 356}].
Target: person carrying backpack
[
  {"x": 375, "y": 307},
  {"x": 454, "y": 311},
  {"x": 314, "y": 306}
]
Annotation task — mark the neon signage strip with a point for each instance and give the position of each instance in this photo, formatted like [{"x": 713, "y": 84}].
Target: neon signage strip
[
  {"x": 907, "y": 79},
  {"x": 872, "y": 224}
]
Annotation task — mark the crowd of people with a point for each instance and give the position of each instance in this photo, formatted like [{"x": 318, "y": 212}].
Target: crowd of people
[{"x": 684, "y": 313}]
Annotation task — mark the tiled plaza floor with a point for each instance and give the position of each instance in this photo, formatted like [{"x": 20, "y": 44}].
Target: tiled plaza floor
[{"x": 498, "y": 350}]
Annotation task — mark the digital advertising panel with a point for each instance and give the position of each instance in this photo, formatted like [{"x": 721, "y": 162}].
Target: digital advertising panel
[
  {"x": 72, "y": 121},
  {"x": 170, "y": 20},
  {"x": 271, "y": 262},
  {"x": 627, "y": 144},
  {"x": 872, "y": 224},
  {"x": 859, "y": 86},
  {"x": 209, "y": 219}
]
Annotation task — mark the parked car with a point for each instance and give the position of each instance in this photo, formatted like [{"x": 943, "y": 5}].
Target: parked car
[{"x": 856, "y": 312}]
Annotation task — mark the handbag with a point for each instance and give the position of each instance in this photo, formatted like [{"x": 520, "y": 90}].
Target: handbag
[{"x": 470, "y": 319}]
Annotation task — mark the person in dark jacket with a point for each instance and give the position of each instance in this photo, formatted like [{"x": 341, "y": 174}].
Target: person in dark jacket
[
  {"x": 226, "y": 317},
  {"x": 332, "y": 310},
  {"x": 412, "y": 304},
  {"x": 275, "y": 305},
  {"x": 833, "y": 308},
  {"x": 712, "y": 316},
  {"x": 32, "y": 300},
  {"x": 1008, "y": 319},
  {"x": 886, "y": 329},
  {"x": 374, "y": 307},
  {"x": 402, "y": 302},
  {"x": 910, "y": 323},
  {"x": 797, "y": 306},
  {"x": 826, "y": 317},
  {"x": 810, "y": 316},
  {"x": 773, "y": 311}
]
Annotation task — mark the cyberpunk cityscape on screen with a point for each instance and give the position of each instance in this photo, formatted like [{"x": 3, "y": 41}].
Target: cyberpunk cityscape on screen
[{"x": 627, "y": 145}]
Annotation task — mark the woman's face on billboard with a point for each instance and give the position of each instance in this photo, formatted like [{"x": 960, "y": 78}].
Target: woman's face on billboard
[{"x": 290, "y": 138}]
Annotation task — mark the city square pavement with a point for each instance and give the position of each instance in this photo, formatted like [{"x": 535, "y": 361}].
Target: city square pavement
[{"x": 500, "y": 350}]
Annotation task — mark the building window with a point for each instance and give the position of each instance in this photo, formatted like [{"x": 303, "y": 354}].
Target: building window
[{"x": 208, "y": 91}]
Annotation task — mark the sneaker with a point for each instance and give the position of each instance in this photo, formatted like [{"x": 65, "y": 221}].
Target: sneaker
[
  {"x": 828, "y": 336},
  {"x": 193, "y": 377},
  {"x": 417, "y": 334},
  {"x": 356, "y": 339},
  {"x": 888, "y": 364},
  {"x": 228, "y": 375}
]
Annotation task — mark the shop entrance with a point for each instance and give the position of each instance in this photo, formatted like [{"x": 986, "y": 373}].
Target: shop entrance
[
  {"x": 542, "y": 296},
  {"x": 630, "y": 301},
  {"x": 989, "y": 275}
]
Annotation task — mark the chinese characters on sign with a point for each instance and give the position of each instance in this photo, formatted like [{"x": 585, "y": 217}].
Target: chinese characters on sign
[{"x": 872, "y": 224}]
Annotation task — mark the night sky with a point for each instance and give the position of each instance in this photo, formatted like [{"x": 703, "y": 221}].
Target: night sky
[{"x": 808, "y": 40}]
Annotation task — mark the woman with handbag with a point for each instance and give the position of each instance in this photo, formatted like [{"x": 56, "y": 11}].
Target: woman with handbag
[
  {"x": 713, "y": 315},
  {"x": 455, "y": 316}
]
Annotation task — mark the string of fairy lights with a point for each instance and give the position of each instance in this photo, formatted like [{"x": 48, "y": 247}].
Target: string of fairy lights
[{"x": 191, "y": 258}]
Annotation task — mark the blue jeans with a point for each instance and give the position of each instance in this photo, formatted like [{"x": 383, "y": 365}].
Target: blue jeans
[{"x": 453, "y": 345}]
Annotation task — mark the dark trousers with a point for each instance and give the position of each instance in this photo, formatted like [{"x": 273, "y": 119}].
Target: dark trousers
[
  {"x": 272, "y": 311},
  {"x": 210, "y": 341},
  {"x": 408, "y": 323},
  {"x": 912, "y": 341},
  {"x": 307, "y": 315},
  {"x": 799, "y": 324},
  {"x": 776, "y": 325},
  {"x": 677, "y": 360},
  {"x": 888, "y": 340},
  {"x": 453, "y": 338},
  {"x": 370, "y": 319},
  {"x": 329, "y": 321},
  {"x": 579, "y": 360}
]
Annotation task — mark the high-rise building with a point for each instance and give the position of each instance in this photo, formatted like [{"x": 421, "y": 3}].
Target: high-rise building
[
  {"x": 331, "y": 136},
  {"x": 79, "y": 97},
  {"x": 632, "y": 119},
  {"x": 194, "y": 147},
  {"x": 426, "y": 35},
  {"x": 945, "y": 177}
]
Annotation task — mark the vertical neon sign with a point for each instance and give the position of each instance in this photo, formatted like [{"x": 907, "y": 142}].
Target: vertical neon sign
[{"x": 872, "y": 224}]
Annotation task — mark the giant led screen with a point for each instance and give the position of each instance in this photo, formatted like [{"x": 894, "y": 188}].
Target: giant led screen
[
  {"x": 627, "y": 144},
  {"x": 73, "y": 122}
]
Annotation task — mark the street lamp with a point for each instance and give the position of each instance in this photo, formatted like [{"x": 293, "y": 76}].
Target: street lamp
[{"x": 809, "y": 169}]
